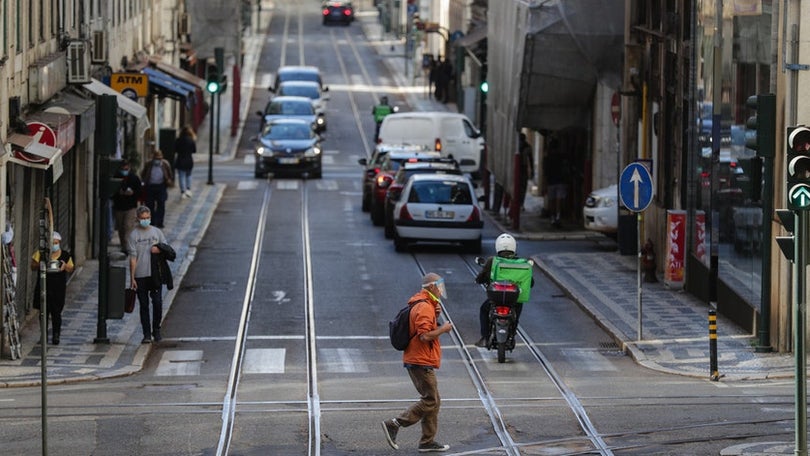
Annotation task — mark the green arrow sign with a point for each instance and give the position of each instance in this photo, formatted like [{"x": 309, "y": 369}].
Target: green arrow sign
[{"x": 799, "y": 196}]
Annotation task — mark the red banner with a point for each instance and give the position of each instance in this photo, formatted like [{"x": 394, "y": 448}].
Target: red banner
[{"x": 676, "y": 243}]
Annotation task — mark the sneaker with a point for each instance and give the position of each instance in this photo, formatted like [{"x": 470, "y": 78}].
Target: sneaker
[
  {"x": 482, "y": 342},
  {"x": 156, "y": 336},
  {"x": 390, "y": 427},
  {"x": 433, "y": 447},
  {"x": 146, "y": 340},
  {"x": 189, "y": 194}
]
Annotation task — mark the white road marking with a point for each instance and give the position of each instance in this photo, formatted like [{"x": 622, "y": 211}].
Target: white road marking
[
  {"x": 247, "y": 185},
  {"x": 327, "y": 184},
  {"x": 343, "y": 360},
  {"x": 264, "y": 361},
  {"x": 180, "y": 362},
  {"x": 287, "y": 184}
]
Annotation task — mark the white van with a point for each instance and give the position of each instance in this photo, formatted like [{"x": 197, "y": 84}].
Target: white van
[{"x": 452, "y": 134}]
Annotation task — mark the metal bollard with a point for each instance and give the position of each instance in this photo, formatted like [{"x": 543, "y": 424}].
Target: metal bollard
[{"x": 715, "y": 375}]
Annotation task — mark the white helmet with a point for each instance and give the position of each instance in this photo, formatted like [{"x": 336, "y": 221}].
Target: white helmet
[{"x": 505, "y": 242}]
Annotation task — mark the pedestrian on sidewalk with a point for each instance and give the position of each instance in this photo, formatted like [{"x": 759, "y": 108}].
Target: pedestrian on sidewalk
[
  {"x": 184, "y": 147},
  {"x": 125, "y": 201},
  {"x": 57, "y": 270},
  {"x": 556, "y": 172},
  {"x": 143, "y": 242},
  {"x": 526, "y": 168},
  {"x": 422, "y": 356},
  {"x": 157, "y": 176}
]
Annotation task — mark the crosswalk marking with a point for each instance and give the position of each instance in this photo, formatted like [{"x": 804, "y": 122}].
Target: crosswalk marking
[
  {"x": 264, "y": 361},
  {"x": 588, "y": 359},
  {"x": 287, "y": 184},
  {"x": 247, "y": 185},
  {"x": 180, "y": 362},
  {"x": 341, "y": 360}
]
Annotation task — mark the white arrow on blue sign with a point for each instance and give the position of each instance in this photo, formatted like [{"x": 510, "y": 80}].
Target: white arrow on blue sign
[{"x": 636, "y": 187}]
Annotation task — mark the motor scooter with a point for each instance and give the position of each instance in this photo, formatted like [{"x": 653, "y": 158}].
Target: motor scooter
[{"x": 502, "y": 297}]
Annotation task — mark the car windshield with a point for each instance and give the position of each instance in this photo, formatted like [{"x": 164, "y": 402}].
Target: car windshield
[
  {"x": 287, "y": 131},
  {"x": 290, "y": 108},
  {"x": 440, "y": 192},
  {"x": 299, "y": 76},
  {"x": 301, "y": 91}
]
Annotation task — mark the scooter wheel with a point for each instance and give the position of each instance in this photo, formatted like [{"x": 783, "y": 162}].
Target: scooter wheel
[{"x": 501, "y": 352}]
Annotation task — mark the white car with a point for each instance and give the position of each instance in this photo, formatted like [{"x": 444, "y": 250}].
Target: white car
[
  {"x": 309, "y": 89},
  {"x": 601, "y": 211},
  {"x": 438, "y": 208}
]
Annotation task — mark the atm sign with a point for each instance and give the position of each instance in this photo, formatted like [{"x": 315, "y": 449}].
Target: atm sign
[{"x": 132, "y": 85}]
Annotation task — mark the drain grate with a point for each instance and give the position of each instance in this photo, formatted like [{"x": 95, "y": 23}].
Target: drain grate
[{"x": 610, "y": 349}]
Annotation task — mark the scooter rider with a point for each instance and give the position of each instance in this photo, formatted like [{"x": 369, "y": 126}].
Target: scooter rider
[
  {"x": 379, "y": 112},
  {"x": 505, "y": 246}
]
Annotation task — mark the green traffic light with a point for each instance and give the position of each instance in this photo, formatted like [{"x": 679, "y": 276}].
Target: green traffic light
[
  {"x": 212, "y": 87},
  {"x": 485, "y": 87}
]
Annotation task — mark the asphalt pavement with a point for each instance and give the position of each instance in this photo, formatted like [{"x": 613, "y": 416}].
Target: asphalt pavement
[{"x": 674, "y": 337}]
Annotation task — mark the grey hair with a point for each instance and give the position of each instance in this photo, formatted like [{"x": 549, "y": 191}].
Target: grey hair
[{"x": 143, "y": 210}]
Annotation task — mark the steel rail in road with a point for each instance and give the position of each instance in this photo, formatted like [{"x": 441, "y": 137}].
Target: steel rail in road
[
  {"x": 313, "y": 398},
  {"x": 229, "y": 403}
]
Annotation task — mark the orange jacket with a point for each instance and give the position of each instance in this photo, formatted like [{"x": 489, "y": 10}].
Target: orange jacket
[{"x": 423, "y": 319}]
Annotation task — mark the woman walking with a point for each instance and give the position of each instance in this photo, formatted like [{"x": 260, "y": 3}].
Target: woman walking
[{"x": 184, "y": 162}]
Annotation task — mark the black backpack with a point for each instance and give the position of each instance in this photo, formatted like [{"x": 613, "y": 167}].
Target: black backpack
[{"x": 399, "y": 329}]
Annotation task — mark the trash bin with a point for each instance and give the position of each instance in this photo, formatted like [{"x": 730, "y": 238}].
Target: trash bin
[
  {"x": 628, "y": 232},
  {"x": 116, "y": 284}
]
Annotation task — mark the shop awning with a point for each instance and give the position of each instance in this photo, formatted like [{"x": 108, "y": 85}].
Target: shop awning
[
  {"x": 130, "y": 107},
  {"x": 84, "y": 109},
  {"x": 568, "y": 48},
  {"x": 165, "y": 85},
  {"x": 178, "y": 73},
  {"x": 472, "y": 38},
  {"x": 27, "y": 151}
]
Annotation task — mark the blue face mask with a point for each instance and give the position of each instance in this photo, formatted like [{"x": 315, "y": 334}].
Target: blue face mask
[
  {"x": 124, "y": 172},
  {"x": 145, "y": 223},
  {"x": 55, "y": 247}
]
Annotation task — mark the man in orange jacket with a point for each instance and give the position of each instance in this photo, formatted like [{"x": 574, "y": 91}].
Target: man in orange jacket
[{"x": 421, "y": 357}]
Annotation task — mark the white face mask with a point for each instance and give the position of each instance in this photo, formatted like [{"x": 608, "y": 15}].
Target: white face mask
[{"x": 441, "y": 288}]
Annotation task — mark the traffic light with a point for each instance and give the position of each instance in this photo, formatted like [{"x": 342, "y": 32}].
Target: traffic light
[
  {"x": 212, "y": 78},
  {"x": 484, "y": 86},
  {"x": 787, "y": 243},
  {"x": 798, "y": 168},
  {"x": 761, "y": 127}
]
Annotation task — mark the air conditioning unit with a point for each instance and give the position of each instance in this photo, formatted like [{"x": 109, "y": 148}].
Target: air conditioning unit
[
  {"x": 183, "y": 27},
  {"x": 99, "y": 46},
  {"x": 78, "y": 63}
]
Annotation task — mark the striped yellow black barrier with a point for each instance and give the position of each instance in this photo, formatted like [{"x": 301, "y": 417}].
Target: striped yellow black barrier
[{"x": 715, "y": 374}]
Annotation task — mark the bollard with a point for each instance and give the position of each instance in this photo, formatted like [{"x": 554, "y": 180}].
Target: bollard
[{"x": 713, "y": 345}]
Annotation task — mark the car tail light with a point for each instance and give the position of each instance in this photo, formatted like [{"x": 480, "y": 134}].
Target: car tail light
[
  {"x": 326, "y": 11},
  {"x": 437, "y": 145},
  {"x": 404, "y": 214},
  {"x": 347, "y": 12},
  {"x": 502, "y": 310},
  {"x": 475, "y": 215},
  {"x": 384, "y": 180}
]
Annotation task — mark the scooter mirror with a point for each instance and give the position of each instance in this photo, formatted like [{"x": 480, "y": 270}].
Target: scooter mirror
[{"x": 480, "y": 261}]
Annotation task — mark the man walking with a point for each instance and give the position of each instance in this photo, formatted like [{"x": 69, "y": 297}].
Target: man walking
[
  {"x": 143, "y": 243},
  {"x": 422, "y": 356}
]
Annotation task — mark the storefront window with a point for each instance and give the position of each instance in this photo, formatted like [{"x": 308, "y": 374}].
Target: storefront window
[{"x": 730, "y": 186}]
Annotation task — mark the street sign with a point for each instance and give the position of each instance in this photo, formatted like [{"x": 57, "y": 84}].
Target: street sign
[
  {"x": 636, "y": 187},
  {"x": 615, "y": 108}
]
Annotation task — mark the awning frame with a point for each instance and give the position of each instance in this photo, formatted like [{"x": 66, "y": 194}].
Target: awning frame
[{"x": 125, "y": 104}]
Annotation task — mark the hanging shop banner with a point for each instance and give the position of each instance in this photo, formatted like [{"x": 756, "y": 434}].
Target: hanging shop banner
[{"x": 676, "y": 244}]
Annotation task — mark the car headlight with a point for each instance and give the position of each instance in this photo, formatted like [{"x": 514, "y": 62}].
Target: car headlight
[
  {"x": 262, "y": 151},
  {"x": 313, "y": 152},
  {"x": 606, "y": 202},
  {"x": 320, "y": 120}
]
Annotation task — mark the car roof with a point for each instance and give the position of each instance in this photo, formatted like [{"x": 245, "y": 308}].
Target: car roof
[
  {"x": 439, "y": 177},
  {"x": 296, "y": 82},
  {"x": 440, "y": 163},
  {"x": 395, "y": 147},
  {"x": 299, "y": 68},
  {"x": 289, "y": 120},
  {"x": 404, "y": 155}
]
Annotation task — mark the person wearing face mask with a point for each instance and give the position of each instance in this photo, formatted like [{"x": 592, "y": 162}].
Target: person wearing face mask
[
  {"x": 143, "y": 242},
  {"x": 422, "y": 356},
  {"x": 125, "y": 200},
  {"x": 157, "y": 176},
  {"x": 55, "y": 284}
]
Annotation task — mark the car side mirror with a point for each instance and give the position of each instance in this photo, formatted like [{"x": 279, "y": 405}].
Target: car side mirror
[
  {"x": 259, "y": 113},
  {"x": 271, "y": 89},
  {"x": 482, "y": 198},
  {"x": 362, "y": 161},
  {"x": 480, "y": 261},
  {"x": 325, "y": 88}
]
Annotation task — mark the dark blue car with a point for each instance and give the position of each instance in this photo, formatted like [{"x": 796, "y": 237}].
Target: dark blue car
[{"x": 288, "y": 146}]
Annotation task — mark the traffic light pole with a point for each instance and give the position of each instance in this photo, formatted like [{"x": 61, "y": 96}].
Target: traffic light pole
[
  {"x": 799, "y": 315},
  {"x": 211, "y": 140}
]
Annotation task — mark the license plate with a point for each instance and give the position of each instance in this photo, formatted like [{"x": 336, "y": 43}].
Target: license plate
[
  {"x": 288, "y": 161},
  {"x": 440, "y": 214}
]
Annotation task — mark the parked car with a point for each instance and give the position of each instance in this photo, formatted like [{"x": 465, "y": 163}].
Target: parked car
[
  {"x": 292, "y": 107},
  {"x": 337, "y": 11},
  {"x": 390, "y": 164},
  {"x": 451, "y": 134},
  {"x": 371, "y": 166},
  {"x": 298, "y": 73},
  {"x": 441, "y": 166},
  {"x": 601, "y": 211},
  {"x": 309, "y": 89},
  {"x": 438, "y": 208},
  {"x": 288, "y": 145}
]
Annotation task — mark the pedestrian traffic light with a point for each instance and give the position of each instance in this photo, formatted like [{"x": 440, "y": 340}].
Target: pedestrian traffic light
[
  {"x": 761, "y": 127},
  {"x": 787, "y": 243},
  {"x": 212, "y": 78},
  {"x": 484, "y": 86},
  {"x": 798, "y": 168}
]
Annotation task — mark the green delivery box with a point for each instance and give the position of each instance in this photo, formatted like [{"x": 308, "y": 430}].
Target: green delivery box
[{"x": 517, "y": 270}]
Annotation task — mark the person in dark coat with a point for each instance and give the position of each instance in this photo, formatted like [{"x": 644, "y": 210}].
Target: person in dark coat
[
  {"x": 55, "y": 284},
  {"x": 125, "y": 201},
  {"x": 157, "y": 176},
  {"x": 184, "y": 147}
]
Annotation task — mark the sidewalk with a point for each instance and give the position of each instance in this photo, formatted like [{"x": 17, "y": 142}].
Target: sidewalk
[{"x": 675, "y": 325}]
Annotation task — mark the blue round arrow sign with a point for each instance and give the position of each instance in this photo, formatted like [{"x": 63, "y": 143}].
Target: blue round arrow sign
[{"x": 636, "y": 187}]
